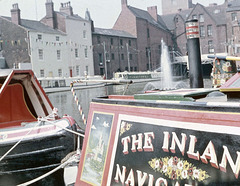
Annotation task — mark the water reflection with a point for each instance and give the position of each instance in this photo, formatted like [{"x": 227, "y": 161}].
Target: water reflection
[{"x": 66, "y": 105}]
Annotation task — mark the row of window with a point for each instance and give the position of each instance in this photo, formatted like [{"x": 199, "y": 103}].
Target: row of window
[
  {"x": 40, "y": 37},
  {"x": 202, "y": 30},
  {"x": 76, "y": 53},
  {"x": 60, "y": 71},
  {"x": 201, "y": 17},
  {"x": 100, "y": 57},
  {"x": 112, "y": 41}
]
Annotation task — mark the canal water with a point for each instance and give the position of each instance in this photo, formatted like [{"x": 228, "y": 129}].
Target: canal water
[{"x": 65, "y": 103}]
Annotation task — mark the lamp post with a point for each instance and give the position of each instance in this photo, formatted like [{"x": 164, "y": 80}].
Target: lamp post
[
  {"x": 105, "y": 59},
  {"x": 149, "y": 60},
  {"x": 128, "y": 57}
]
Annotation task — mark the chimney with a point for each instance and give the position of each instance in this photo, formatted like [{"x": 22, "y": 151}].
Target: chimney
[
  {"x": 15, "y": 14},
  {"x": 66, "y": 8},
  {"x": 49, "y": 8},
  {"x": 88, "y": 17},
  {"x": 50, "y": 14},
  {"x": 124, "y": 3},
  {"x": 153, "y": 12}
]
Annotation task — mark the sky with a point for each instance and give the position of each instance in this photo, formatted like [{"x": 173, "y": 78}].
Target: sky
[{"x": 104, "y": 13}]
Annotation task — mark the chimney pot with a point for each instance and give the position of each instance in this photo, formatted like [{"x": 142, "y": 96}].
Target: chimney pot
[
  {"x": 16, "y": 14},
  {"x": 66, "y": 8},
  {"x": 153, "y": 12}
]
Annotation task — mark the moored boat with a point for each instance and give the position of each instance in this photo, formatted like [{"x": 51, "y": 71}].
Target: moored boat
[
  {"x": 178, "y": 137},
  {"x": 33, "y": 138},
  {"x": 138, "y": 76}
]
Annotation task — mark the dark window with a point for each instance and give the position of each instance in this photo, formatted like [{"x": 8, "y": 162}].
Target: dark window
[
  {"x": 111, "y": 41},
  {"x": 101, "y": 71},
  {"x": 122, "y": 56},
  {"x": 160, "y": 49},
  {"x": 113, "y": 57},
  {"x": 129, "y": 42},
  {"x": 121, "y": 42},
  {"x": 148, "y": 33},
  {"x": 98, "y": 40},
  {"x": 100, "y": 59},
  {"x": 130, "y": 56},
  {"x": 39, "y": 36}
]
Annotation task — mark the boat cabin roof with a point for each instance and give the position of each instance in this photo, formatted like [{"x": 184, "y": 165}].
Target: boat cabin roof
[{"x": 21, "y": 98}]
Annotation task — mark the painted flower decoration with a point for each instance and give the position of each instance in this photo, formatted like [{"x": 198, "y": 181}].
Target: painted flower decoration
[
  {"x": 178, "y": 169},
  {"x": 125, "y": 127}
]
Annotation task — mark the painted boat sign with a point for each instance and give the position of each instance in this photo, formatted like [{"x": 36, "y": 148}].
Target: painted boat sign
[{"x": 128, "y": 145}]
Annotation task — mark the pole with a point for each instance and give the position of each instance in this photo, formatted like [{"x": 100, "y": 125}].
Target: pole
[
  {"x": 128, "y": 58},
  {"x": 194, "y": 55},
  {"x": 149, "y": 59},
  {"x": 105, "y": 59}
]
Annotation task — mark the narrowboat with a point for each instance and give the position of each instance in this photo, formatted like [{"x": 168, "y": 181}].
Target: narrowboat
[
  {"x": 178, "y": 137},
  {"x": 33, "y": 137}
]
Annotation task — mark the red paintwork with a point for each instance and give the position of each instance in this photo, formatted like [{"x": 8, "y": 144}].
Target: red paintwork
[
  {"x": 13, "y": 108},
  {"x": 120, "y": 97}
]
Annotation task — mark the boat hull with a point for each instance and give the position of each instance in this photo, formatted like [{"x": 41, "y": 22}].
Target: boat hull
[
  {"x": 151, "y": 142},
  {"x": 34, "y": 157}
]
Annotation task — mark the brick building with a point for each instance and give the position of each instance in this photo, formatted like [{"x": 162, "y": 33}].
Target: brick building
[
  {"x": 212, "y": 27},
  {"x": 233, "y": 27},
  {"x": 149, "y": 29},
  {"x": 116, "y": 49},
  {"x": 14, "y": 45}
]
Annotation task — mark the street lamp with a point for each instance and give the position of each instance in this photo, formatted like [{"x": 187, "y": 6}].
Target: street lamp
[
  {"x": 105, "y": 58},
  {"x": 149, "y": 60}
]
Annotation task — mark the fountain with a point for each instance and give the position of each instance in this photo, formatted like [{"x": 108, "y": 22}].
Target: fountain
[{"x": 167, "y": 82}]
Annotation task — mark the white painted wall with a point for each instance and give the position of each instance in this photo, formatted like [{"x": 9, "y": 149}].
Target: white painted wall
[
  {"x": 74, "y": 31},
  {"x": 50, "y": 64}
]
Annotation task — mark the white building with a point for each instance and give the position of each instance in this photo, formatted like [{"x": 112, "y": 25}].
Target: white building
[
  {"x": 79, "y": 37},
  {"x": 48, "y": 52}
]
